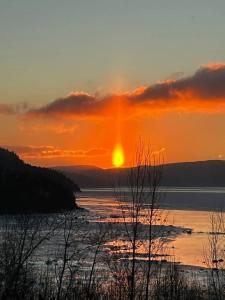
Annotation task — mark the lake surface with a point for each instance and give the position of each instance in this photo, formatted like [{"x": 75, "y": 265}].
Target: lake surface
[{"x": 189, "y": 208}]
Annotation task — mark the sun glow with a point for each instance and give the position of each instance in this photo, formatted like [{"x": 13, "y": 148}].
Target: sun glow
[{"x": 118, "y": 156}]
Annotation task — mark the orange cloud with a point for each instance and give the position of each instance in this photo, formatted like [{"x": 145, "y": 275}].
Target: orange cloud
[
  {"x": 53, "y": 152},
  {"x": 56, "y": 128},
  {"x": 204, "y": 91}
]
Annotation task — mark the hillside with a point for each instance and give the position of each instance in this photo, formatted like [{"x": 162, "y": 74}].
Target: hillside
[
  {"x": 202, "y": 173},
  {"x": 24, "y": 188}
]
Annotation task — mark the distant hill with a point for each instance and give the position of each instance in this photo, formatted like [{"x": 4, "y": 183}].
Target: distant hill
[
  {"x": 201, "y": 173},
  {"x": 24, "y": 188}
]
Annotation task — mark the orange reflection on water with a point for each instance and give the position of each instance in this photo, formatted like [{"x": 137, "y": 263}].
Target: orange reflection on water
[{"x": 185, "y": 248}]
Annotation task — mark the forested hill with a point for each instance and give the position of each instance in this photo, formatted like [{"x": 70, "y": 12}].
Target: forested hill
[
  {"x": 24, "y": 188},
  {"x": 188, "y": 174}
]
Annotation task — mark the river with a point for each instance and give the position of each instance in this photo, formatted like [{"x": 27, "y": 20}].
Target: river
[{"x": 188, "y": 208}]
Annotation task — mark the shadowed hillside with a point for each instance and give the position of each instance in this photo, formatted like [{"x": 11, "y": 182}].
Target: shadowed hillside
[
  {"x": 24, "y": 188},
  {"x": 202, "y": 173}
]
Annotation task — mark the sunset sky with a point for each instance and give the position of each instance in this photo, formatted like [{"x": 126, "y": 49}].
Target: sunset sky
[{"x": 79, "y": 77}]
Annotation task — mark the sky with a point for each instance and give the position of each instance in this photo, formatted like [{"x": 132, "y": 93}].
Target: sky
[{"x": 78, "y": 78}]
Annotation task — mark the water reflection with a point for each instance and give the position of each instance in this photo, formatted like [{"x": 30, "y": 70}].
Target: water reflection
[{"x": 185, "y": 245}]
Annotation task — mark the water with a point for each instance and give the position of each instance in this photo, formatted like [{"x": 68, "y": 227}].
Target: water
[{"x": 184, "y": 207}]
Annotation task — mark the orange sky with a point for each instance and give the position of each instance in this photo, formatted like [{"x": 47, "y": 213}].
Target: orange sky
[{"x": 183, "y": 119}]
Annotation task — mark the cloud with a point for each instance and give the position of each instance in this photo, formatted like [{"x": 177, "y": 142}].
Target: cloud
[
  {"x": 6, "y": 109},
  {"x": 13, "y": 109},
  {"x": 175, "y": 76},
  {"x": 31, "y": 151},
  {"x": 75, "y": 104},
  {"x": 204, "y": 91},
  {"x": 208, "y": 83},
  {"x": 55, "y": 128}
]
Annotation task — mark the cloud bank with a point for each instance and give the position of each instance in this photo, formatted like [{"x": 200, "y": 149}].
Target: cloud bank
[
  {"x": 208, "y": 83},
  {"x": 54, "y": 152},
  {"x": 204, "y": 91}
]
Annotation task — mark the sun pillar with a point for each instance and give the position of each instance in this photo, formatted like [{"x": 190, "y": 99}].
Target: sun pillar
[{"x": 118, "y": 157}]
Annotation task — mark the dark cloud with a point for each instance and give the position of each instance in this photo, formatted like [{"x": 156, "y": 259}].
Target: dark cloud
[
  {"x": 207, "y": 85},
  {"x": 75, "y": 104}
]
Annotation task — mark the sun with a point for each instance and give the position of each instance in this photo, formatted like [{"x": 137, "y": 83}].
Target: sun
[{"x": 118, "y": 156}]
